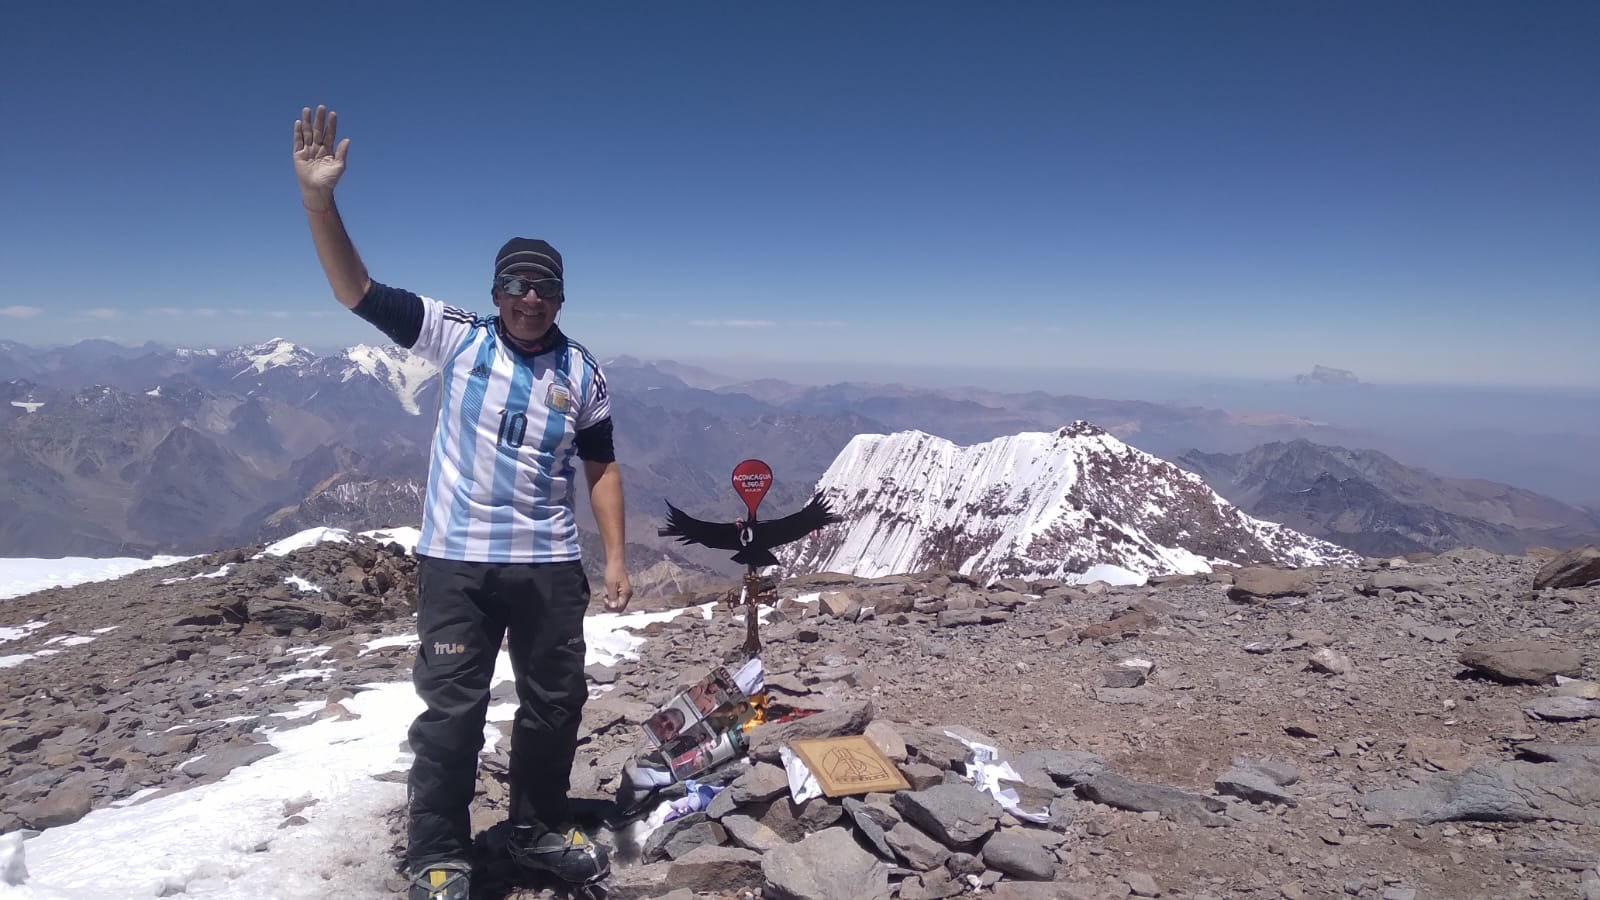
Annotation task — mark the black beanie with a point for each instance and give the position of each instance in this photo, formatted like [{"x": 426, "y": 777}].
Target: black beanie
[{"x": 521, "y": 254}]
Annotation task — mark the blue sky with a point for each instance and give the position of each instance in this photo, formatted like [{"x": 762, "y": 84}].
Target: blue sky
[{"x": 1405, "y": 190}]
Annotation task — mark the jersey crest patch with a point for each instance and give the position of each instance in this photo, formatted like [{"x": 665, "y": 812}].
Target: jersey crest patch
[{"x": 558, "y": 398}]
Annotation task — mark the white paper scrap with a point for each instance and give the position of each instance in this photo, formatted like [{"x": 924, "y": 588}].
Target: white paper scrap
[
  {"x": 986, "y": 771},
  {"x": 803, "y": 785}
]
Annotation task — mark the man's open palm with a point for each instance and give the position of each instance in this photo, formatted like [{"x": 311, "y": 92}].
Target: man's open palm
[{"x": 317, "y": 162}]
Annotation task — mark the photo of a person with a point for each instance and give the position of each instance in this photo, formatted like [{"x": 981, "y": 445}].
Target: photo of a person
[
  {"x": 665, "y": 724},
  {"x": 703, "y": 696},
  {"x": 729, "y": 716},
  {"x": 699, "y": 748},
  {"x": 714, "y": 690}
]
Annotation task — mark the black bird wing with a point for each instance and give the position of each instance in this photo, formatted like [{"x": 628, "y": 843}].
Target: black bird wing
[
  {"x": 796, "y": 525},
  {"x": 689, "y": 530}
]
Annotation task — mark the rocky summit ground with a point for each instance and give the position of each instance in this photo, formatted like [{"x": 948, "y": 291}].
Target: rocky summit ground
[{"x": 1419, "y": 727}]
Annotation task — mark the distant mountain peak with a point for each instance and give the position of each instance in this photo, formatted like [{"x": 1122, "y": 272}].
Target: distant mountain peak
[
  {"x": 273, "y": 354},
  {"x": 1366, "y": 500},
  {"x": 400, "y": 370},
  {"x": 1082, "y": 428},
  {"x": 1059, "y": 504},
  {"x": 1320, "y": 374}
]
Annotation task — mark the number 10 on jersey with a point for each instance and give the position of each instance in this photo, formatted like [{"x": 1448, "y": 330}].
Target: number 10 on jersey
[{"x": 513, "y": 427}]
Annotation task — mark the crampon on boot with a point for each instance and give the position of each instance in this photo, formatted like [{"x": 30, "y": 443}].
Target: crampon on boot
[
  {"x": 567, "y": 853},
  {"x": 441, "y": 881}
]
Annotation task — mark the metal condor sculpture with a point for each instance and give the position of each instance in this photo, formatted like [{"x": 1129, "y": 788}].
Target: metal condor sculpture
[{"x": 751, "y": 538}]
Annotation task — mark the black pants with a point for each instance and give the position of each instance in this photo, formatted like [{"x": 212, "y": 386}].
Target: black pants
[{"x": 463, "y": 611}]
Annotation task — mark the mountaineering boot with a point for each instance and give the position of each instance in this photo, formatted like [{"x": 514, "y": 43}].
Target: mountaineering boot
[
  {"x": 441, "y": 881},
  {"x": 567, "y": 853}
]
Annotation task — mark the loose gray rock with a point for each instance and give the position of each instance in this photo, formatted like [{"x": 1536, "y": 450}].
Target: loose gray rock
[
  {"x": 958, "y": 815},
  {"x": 1064, "y": 767},
  {"x": 62, "y": 806},
  {"x": 1019, "y": 855},
  {"x": 1124, "y": 793},
  {"x": 1575, "y": 568},
  {"x": 919, "y": 851},
  {"x": 1405, "y": 580},
  {"x": 679, "y": 836},
  {"x": 873, "y": 822},
  {"x": 921, "y": 775},
  {"x": 1329, "y": 661},
  {"x": 1529, "y": 661},
  {"x": 887, "y": 739},
  {"x": 283, "y": 616},
  {"x": 761, "y": 782},
  {"x": 842, "y": 721},
  {"x": 1560, "y": 855},
  {"x": 937, "y": 748},
  {"x": 222, "y": 760},
  {"x": 1567, "y": 791},
  {"x": 746, "y": 832},
  {"x": 1255, "y": 584},
  {"x": 1143, "y": 885},
  {"x": 1562, "y": 709},
  {"x": 826, "y": 865},
  {"x": 1575, "y": 687},
  {"x": 938, "y": 884},
  {"x": 1121, "y": 677},
  {"x": 715, "y": 869},
  {"x": 1252, "y": 786},
  {"x": 638, "y": 882},
  {"x": 1282, "y": 774},
  {"x": 955, "y": 618}
]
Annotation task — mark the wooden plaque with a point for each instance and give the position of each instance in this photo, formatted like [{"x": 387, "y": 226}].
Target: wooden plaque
[{"x": 849, "y": 765}]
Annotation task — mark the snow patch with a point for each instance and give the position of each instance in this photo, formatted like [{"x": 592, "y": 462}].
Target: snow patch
[
  {"x": 1112, "y": 575},
  {"x": 217, "y": 574},
  {"x": 406, "y": 536},
  {"x": 20, "y": 576},
  {"x": 397, "y": 640},
  {"x": 308, "y": 538},
  {"x": 13, "y": 632}
]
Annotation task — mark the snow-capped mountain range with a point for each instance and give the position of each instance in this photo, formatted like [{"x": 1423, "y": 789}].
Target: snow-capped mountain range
[
  {"x": 1075, "y": 504},
  {"x": 278, "y": 368},
  {"x": 401, "y": 372},
  {"x": 114, "y": 450}
]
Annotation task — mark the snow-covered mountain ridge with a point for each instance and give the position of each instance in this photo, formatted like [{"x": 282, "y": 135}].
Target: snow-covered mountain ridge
[
  {"x": 398, "y": 370},
  {"x": 1075, "y": 503}
]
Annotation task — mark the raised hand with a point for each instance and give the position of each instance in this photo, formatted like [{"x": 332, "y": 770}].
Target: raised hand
[{"x": 318, "y": 163}]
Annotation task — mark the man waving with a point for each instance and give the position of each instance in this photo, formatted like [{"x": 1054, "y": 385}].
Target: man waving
[{"x": 498, "y": 556}]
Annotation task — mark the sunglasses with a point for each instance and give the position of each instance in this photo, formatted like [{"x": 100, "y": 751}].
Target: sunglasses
[{"x": 519, "y": 286}]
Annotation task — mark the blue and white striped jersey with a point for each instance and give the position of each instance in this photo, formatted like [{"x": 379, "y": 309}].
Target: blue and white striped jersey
[{"x": 502, "y": 472}]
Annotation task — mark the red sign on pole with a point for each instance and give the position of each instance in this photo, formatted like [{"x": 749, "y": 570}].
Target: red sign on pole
[{"x": 751, "y": 479}]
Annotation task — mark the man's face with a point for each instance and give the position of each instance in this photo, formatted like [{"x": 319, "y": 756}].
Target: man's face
[{"x": 529, "y": 316}]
